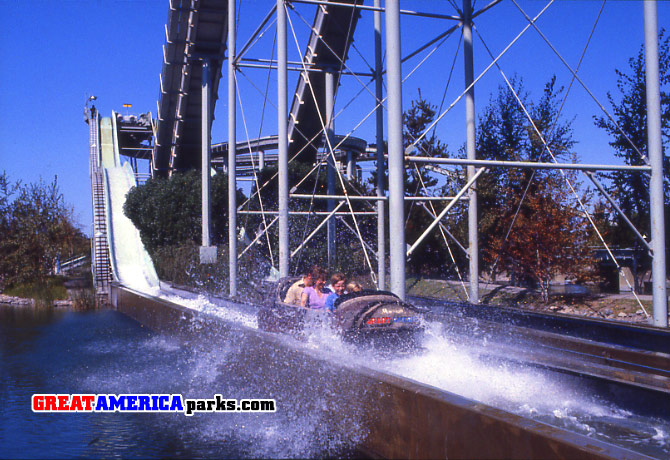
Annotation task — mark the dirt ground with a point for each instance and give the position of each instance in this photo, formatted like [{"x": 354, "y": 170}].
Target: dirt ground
[{"x": 617, "y": 307}]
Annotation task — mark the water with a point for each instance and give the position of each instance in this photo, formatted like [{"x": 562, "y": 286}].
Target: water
[
  {"x": 450, "y": 362},
  {"x": 105, "y": 352}
]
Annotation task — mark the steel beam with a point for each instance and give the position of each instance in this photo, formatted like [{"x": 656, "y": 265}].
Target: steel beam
[
  {"x": 232, "y": 152},
  {"x": 282, "y": 130},
  {"x": 379, "y": 114},
  {"x": 473, "y": 234},
  {"x": 378, "y": 9},
  {"x": 258, "y": 30},
  {"x": 396, "y": 151},
  {"x": 623, "y": 215},
  {"x": 655, "y": 149},
  {"x": 444, "y": 212},
  {"x": 330, "y": 163},
  {"x": 527, "y": 164},
  {"x": 329, "y": 217},
  {"x": 207, "y": 252}
]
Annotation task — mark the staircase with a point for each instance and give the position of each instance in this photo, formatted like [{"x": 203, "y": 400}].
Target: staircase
[{"x": 100, "y": 265}]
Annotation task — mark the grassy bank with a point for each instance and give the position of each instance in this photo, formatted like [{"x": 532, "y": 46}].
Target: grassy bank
[{"x": 43, "y": 292}]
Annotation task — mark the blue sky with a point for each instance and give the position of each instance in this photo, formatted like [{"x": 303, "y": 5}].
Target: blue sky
[{"x": 55, "y": 54}]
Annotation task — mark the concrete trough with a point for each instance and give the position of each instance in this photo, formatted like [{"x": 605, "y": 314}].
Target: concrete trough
[{"x": 387, "y": 416}]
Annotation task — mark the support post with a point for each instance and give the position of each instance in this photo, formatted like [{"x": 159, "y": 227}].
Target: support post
[
  {"x": 330, "y": 103},
  {"x": 232, "y": 151},
  {"x": 655, "y": 150},
  {"x": 396, "y": 150},
  {"x": 207, "y": 251},
  {"x": 381, "y": 216},
  {"x": 282, "y": 131},
  {"x": 351, "y": 165},
  {"x": 473, "y": 238}
]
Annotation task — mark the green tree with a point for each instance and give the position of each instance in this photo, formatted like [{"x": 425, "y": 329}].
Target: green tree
[
  {"x": 36, "y": 230},
  {"x": 548, "y": 233},
  {"x": 168, "y": 211},
  {"x": 418, "y": 179},
  {"x": 432, "y": 256},
  {"x": 630, "y": 114}
]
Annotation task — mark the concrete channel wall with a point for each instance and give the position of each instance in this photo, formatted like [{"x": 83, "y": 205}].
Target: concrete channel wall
[{"x": 389, "y": 417}]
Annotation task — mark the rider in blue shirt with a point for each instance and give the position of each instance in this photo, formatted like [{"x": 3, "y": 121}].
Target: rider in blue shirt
[{"x": 338, "y": 282}]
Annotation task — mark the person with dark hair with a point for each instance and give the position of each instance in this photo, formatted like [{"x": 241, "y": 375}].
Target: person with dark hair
[
  {"x": 294, "y": 293},
  {"x": 338, "y": 282},
  {"x": 315, "y": 296}
]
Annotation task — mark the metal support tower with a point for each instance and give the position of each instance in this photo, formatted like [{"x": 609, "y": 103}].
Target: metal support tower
[
  {"x": 473, "y": 237},
  {"x": 655, "y": 147},
  {"x": 396, "y": 150},
  {"x": 381, "y": 217},
  {"x": 232, "y": 153},
  {"x": 207, "y": 252},
  {"x": 282, "y": 131},
  {"x": 330, "y": 134}
]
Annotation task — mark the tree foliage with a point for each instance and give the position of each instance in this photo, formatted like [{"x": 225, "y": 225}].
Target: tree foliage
[
  {"x": 530, "y": 226},
  {"x": 432, "y": 256},
  {"x": 628, "y": 133},
  {"x": 36, "y": 230},
  {"x": 168, "y": 211}
]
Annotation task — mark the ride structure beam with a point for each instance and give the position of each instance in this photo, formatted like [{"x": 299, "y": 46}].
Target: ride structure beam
[
  {"x": 655, "y": 150},
  {"x": 207, "y": 251},
  {"x": 232, "y": 152},
  {"x": 473, "y": 234},
  {"x": 396, "y": 152},
  {"x": 282, "y": 131},
  {"x": 379, "y": 114},
  {"x": 330, "y": 163}
]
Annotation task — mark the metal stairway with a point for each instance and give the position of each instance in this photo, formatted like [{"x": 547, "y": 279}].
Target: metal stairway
[{"x": 100, "y": 265}]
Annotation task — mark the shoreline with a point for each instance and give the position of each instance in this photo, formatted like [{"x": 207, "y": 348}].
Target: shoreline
[{"x": 13, "y": 301}]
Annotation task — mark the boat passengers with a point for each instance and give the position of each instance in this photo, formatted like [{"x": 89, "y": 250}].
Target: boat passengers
[
  {"x": 338, "y": 282},
  {"x": 294, "y": 293},
  {"x": 315, "y": 296}
]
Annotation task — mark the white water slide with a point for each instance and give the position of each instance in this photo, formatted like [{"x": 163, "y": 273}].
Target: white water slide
[{"x": 131, "y": 264}]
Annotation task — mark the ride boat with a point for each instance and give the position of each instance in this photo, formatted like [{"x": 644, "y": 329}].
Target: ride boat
[{"x": 358, "y": 316}]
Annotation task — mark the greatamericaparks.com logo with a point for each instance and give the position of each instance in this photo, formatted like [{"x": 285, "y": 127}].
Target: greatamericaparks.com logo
[{"x": 152, "y": 403}]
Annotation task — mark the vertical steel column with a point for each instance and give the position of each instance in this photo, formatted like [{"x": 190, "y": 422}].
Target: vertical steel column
[
  {"x": 207, "y": 253},
  {"x": 282, "y": 131},
  {"x": 381, "y": 217},
  {"x": 330, "y": 133},
  {"x": 655, "y": 149},
  {"x": 232, "y": 150},
  {"x": 396, "y": 151},
  {"x": 473, "y": 238},
  {"x": 351, "y": 165},
  {"x": 206, "y": 208}
]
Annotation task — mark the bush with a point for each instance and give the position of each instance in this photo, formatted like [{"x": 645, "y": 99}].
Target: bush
[{"x": 167, "y": 212}]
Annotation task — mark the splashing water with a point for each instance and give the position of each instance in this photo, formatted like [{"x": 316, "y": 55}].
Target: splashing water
[{"x": 448, "y": 365}]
